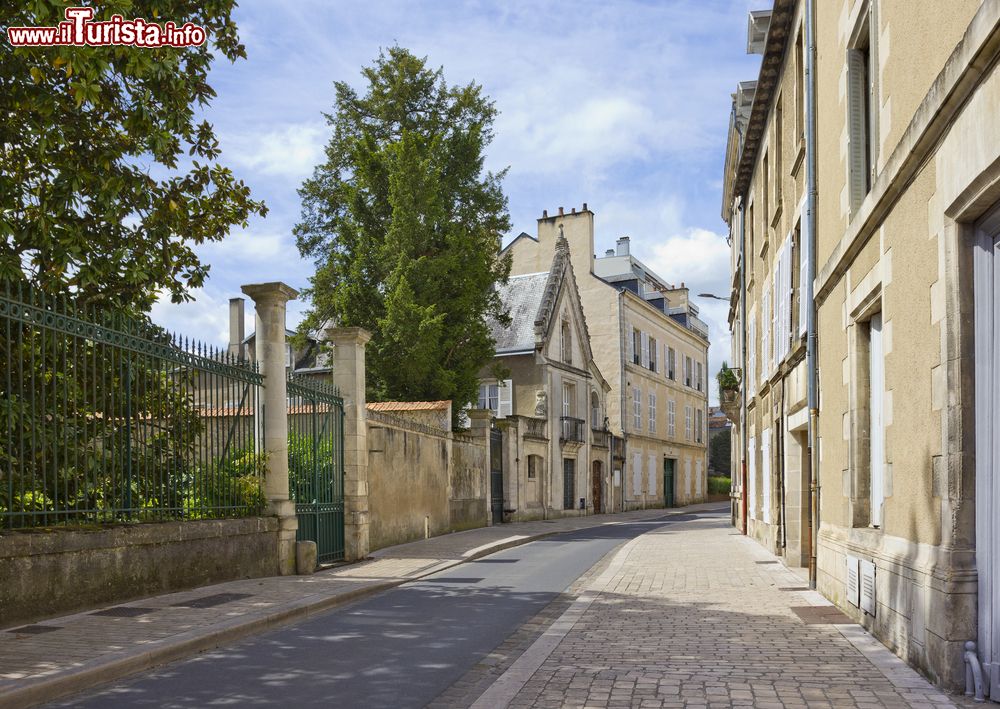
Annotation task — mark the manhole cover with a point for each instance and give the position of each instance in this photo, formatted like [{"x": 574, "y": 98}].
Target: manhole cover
[
  {"x": 34, "y": 629},
  {"x": 124, "y": 612},
  {"x": 211, "y": 601},
  {"x": 821, "y": 615}
]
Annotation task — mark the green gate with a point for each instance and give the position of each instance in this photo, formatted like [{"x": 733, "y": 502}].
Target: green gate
[{"x": 316, "y": 464}]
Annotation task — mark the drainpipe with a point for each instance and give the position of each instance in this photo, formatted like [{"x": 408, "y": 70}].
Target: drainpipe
[
  {"x": 743, "y": 389},
  {"x": 811, "y": 364},
  {"x": 621, "y": 363}
]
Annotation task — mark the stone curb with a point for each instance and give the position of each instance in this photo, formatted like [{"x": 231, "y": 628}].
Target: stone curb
[{"x": 114, "y": 666}]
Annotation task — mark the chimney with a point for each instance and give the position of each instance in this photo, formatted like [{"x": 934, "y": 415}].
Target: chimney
[
  {"x": 573, "y": 210},
  {"x": 545, "y": 214},
  {"x": 622, "y": 246},
  {"x": 584, "y": 206},
  {"x": 609, "y": 252},
  {"x": 560, "y": 211},
  {"x": 236, "y": 327}
]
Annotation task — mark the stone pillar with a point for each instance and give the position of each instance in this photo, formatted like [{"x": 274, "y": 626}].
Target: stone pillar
[
  {"x": 479, "y": 420},
  {"x": 349, "y": 376},
  {"x": 269, "y": 301}
]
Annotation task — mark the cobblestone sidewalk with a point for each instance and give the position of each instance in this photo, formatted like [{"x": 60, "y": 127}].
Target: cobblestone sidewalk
[
  {"x": 695, "y": 615},
  {"x": 58, "y": 656}
]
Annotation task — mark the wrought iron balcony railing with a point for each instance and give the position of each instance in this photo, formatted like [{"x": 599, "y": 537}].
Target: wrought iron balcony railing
[{"x": 572, "y": 429}]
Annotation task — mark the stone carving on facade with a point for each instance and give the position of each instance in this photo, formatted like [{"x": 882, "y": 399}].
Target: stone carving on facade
[{"x": 541, "y": 403}]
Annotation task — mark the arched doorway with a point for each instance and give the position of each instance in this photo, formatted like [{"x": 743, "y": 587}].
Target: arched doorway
[{"x": 597, "y": 487}]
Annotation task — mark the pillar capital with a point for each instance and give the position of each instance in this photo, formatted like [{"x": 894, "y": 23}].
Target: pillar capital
[
  {"x": 348, "y": 336},
  {"x": 276, "y": 291}
]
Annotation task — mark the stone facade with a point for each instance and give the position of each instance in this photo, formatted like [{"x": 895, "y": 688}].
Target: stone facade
[
  {"x": 906, "y": 157},
  {"x": 627, "y": 307}
]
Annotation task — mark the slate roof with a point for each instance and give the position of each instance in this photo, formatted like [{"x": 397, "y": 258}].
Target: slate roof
[{"x": 522, "y": 295}]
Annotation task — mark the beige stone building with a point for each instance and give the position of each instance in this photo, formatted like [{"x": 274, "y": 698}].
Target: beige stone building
[
  {"x": 652, "y": 349},
  {"x": 553, "y": 445},
  {"x": 862, "y": 186}
]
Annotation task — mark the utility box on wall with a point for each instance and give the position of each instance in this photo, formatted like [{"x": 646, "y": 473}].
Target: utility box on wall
[
  {"x": 853, "y": 580},
  {"x": 868, "y": 587}
]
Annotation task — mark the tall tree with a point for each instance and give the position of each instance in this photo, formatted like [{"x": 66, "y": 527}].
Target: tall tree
[
  {"x": 94, "y": 198},
  {"x": 404, "y": 224}
]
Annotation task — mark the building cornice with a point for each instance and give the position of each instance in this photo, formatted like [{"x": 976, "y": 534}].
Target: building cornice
[{"x": 768, "y": 81}]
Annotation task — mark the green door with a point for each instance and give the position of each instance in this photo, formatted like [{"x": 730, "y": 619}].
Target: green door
[{"x": 668, "y": 482}]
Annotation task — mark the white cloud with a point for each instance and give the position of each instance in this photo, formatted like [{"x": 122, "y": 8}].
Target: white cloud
[{"x": 290, "y": 150}]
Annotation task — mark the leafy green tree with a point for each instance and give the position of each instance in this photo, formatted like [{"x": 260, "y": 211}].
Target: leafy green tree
[
  {"x": 94, "y": 197},
  {"x": 719, "y": 450},
  {"x": 404, "y": 225}
]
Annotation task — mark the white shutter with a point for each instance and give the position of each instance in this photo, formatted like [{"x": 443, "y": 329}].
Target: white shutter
[
  {"x": 853, "y": 580},
  {"x": 687, "y": 478},
  {"x": 651, "y": 472},
  {"x": 697, "y": 476},
  {"x": 752, "y": 478},
  {"x": 636, "y": 474},
  {"x": 750, "y": 376},
  {"x": 765, "y": 331},
  {"x": 805, "y": 244},
  {"x": 630, "y": 344},
  {"x": 867, "y": 595},
  {"x": 644, "y": 361},
  {"x": 765, "y": 477},
  {"x": 505, "y": 407},
  {"x": 876, "y": 429}
]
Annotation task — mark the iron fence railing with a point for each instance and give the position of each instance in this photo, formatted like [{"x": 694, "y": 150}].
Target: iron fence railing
[
  {"x": 572, "y": 429},
  {"x": 108, "y": 418}
]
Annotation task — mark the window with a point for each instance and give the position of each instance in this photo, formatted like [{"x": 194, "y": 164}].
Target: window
[
  {"x": 567, "y": 343},
  {"x": 699, "y": 378},
  {"x": 752, "y": 355},
  {"x": 569, "y": 399},
  {"x": 652, "y": 412},
  {"x": 861, "y": 108},
  {"x": 688, "y": 372},
  {"x": 766, "y": 201},
  {"x": 778, "y": 174},
  {"x": 534, "y": 466},
  {"x": 652, "y": 354},
  {"x": 288, "y": 355},
  {"x": 489, "y": 397},
  {"x": 569, "y": 483},
  {"x": 497, "y": 397},
  {"x": 765, "y": 332},
  {"x": 636, "y": 347},
  {"x": 800, "y": 92},
  {"x": 671, "y": 418},
  {"x": 687, "y": 423},
  {"x": 637, "y": 408},
  {"x": 671, "y": 357},
  {"x": 596, "y": 420},
  {"x": 699, "y": 426},
  {"x": 644, "y": 362}
]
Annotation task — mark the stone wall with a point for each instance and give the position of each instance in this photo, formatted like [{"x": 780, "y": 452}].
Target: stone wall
[
  {"x": 422, "y": 481},
  {"x": 48, "y": 573},
  {"x": 469, "y": 478}
]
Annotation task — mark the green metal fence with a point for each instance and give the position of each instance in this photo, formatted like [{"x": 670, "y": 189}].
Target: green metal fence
[
  {"x": 108, "y": 418},
  {"x": 316, "y": 464}
]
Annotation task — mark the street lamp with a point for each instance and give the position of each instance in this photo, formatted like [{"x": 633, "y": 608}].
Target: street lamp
[{"x": 710, "y": 295}]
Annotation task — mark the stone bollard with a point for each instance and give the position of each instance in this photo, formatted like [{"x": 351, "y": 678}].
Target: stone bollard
[{"x": 305, "y": 558}]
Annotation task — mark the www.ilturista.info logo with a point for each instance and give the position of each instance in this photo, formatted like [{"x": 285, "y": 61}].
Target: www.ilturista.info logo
[{"x": 78, "y": 30}]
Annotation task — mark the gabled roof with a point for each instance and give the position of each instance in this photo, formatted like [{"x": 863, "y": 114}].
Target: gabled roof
[{"x": 522, "y": 296}]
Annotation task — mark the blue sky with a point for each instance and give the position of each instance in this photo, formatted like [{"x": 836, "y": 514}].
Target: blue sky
[{"x": 622, "y": 105}]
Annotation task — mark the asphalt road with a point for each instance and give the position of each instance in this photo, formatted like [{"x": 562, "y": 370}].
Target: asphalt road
[{"x": 397, "y": 649}]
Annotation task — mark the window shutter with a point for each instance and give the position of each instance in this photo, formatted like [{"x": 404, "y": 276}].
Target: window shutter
[
  {"x": 765, "y": 476},
  {"x": 645, "y": 350},
  {"x": 752, "y": 478},
  {"x": 631, "y": 343},
  {"x": 505, "y": 406},
  {"x": 765, "y": 331},
  {"x": 651, "y": 472},
  {"x": 857, "y": 128},
  {"x": 751, "y": 375},
  {"x": 636, "y": 474},
  {"x": 805, "y": 244}
]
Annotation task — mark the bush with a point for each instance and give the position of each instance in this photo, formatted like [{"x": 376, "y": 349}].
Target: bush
[{"x": 718, "y": 485}]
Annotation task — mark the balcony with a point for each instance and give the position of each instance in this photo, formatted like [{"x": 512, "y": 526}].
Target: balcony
[
  {"x": 535, "y": 428},
  {"x": 571, "y": 429},
  {"x": 599, "y": 437}
]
